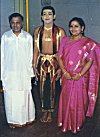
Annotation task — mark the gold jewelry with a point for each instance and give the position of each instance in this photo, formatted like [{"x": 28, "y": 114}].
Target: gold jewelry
[
  {"x": 65, "y": 72},
  {"x": 47, "y": 28},
  {"x": 80, "y": 74}
]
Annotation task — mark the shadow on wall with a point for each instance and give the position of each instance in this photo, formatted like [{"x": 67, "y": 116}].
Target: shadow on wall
[
  {"x": 1, "y": 89},
  {"x": 45, "y": 3}
]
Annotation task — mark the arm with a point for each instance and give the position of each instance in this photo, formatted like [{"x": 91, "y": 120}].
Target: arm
[
  {"x": 62, "y": 34},
  {"x": 2, "y": 57},
  {"x": 30, "y": 54},
  {"x": 36, "y": 52},
  {"x": 84, "y": 70},
  {"x": 66, "y": 74}
]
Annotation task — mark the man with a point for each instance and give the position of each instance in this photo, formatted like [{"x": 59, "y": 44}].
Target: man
[
  {"x": 46, "y": 43},
  {"x": 16, "y": 73}
]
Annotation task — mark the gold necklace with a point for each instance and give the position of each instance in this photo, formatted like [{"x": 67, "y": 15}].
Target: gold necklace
[
  {"x": 47, "y": 35},
  {"x": 47, "y": 28}
]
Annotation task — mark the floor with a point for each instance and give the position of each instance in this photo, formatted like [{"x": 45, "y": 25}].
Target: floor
[{"x": 91, "y": 127}]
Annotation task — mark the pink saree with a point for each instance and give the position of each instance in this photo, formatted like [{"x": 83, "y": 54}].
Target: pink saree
[{"x": 78, "y": 98}]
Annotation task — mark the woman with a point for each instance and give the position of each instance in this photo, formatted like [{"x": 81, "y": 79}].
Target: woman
[{"x": 80, "y": 66}]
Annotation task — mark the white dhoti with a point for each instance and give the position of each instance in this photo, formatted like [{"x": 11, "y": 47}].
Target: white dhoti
[{"x": 19, "y": 107}]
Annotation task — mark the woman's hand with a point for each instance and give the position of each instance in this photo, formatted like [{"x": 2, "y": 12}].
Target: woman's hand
[
  {"x": 77, "y": 76},
  {"x": 67, "y": 75}
]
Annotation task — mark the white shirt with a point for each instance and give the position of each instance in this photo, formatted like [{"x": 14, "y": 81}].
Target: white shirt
[{"x": 16, "y": 60}]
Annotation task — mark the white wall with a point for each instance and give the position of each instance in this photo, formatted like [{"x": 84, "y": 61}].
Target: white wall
[
  {"x": 8, "y": 7},
  {"x": 89, "y": 10}
]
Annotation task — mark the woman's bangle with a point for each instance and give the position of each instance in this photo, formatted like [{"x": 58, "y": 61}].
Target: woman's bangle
[
  {"x": 64, "y": 72},
  {"x": 80, "y": 74}
]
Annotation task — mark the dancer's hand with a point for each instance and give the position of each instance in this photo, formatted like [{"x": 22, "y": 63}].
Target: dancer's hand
[
  {"x": 36, "y": 72},
  {"x": 58, "y": 74}
]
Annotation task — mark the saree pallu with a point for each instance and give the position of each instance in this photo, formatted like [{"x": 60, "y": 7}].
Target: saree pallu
[
  {"x": 48, "y": 66},
  {"x": 78, "y": 97}
]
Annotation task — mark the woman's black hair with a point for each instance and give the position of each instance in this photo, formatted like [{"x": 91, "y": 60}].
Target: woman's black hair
[{"x": 80, "y": 21}]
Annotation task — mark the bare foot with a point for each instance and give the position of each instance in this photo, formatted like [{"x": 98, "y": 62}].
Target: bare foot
[
  {"x": 44, "y": 117},
  {"x": 49, "y": 118}
]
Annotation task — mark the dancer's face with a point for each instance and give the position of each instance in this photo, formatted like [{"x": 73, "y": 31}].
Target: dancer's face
[{"x": 48, "y": 16}]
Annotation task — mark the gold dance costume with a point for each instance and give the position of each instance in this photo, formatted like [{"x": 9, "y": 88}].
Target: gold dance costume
[{"x": 47, "y": 67}]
